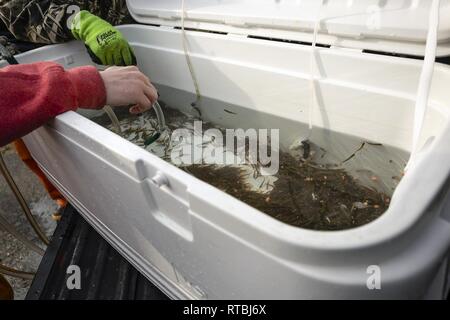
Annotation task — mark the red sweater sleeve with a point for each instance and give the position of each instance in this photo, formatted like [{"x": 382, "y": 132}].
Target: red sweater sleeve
[{"x": 32, "y": 94}]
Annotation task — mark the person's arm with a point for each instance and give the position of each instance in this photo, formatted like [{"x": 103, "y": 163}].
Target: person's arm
[
  {"x": 47, "y": 22},
  {"x": 32, "y": 94}
]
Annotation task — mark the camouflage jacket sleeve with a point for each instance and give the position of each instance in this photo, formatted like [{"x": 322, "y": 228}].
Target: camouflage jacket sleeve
[{"x": 47, "y": 21}]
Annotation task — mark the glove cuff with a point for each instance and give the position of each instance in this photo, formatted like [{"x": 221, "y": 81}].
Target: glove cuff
[
  {"x": 82, "y": 24},
  {"x": 75, "y": 26}
]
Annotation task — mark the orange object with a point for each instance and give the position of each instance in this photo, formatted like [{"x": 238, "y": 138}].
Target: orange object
[
  {"x": 25, "y": 155},
  {"x": 56, "y": 216},
  {"x": 6, "y": 292}
]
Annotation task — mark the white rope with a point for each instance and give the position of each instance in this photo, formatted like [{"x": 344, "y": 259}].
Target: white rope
[
  {"x": 186, "y": 53},
  {"x": 313, "y": 98},
  {"x": 425, "y": 78}
]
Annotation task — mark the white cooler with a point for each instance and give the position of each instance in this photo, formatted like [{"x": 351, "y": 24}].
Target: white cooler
[{"x": 194, "y": 241}]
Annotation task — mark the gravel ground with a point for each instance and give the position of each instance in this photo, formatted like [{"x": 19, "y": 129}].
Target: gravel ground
[{"x": 12, "y": 252}]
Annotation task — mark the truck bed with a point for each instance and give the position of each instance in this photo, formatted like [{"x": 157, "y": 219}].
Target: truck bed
[{"x": 105, "y": 274}]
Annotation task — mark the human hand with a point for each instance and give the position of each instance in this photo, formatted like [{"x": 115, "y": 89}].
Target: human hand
[{"x": 128, "y": 86}]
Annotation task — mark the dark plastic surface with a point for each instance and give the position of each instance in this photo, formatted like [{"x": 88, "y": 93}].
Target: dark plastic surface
[{"x": 105, "y": 274}]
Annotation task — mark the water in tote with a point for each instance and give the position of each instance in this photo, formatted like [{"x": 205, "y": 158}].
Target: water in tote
[{"x": 311, "y": 189}]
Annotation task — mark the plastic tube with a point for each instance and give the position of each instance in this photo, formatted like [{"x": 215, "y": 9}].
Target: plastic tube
[
  {"x": 161, "y": 124},
  {"x": 159, "y": 116},
  {"x": 12, "y": 184},
  {"x": 12, "y": 230},
  {"x": 16, "y": 273},
  {"x": 112, "y": 116},
  {"x": 425, "y": 78}
]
